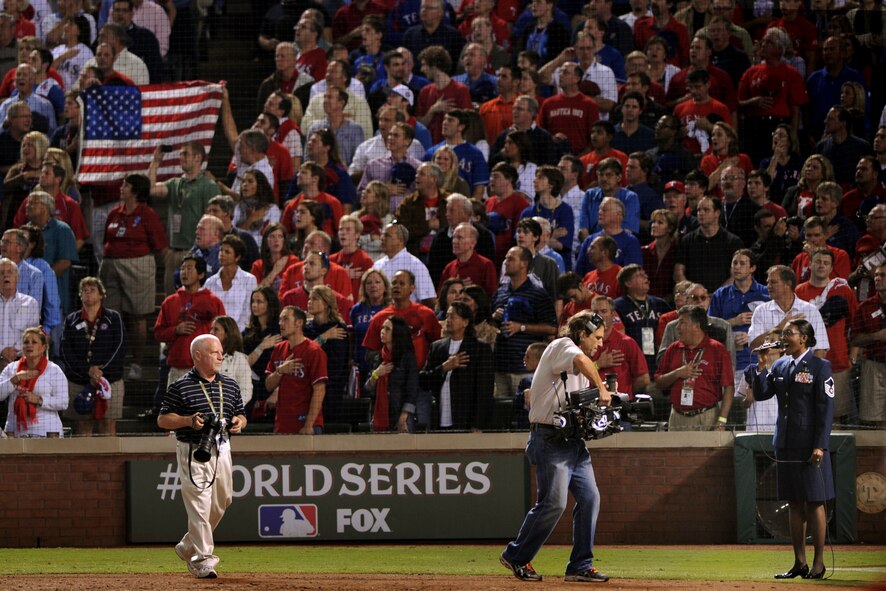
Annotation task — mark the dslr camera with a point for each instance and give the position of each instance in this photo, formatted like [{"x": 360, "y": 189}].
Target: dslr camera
[
  {"x": 212, "y": 426},
  {"x": 582, "y": 418}
]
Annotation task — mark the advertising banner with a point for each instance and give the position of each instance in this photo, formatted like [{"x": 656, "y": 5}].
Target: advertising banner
[{"x": 423, "y": 496}]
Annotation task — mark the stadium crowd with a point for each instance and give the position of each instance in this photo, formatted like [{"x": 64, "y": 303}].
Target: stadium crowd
[{"x": 431, "y": 189}]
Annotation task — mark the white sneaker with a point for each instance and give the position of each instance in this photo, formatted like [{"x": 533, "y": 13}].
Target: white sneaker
[
  {"x": 182, "y": 553},
  {"x": 135, "y": 372},
  {"x": 203, "y": 571}
]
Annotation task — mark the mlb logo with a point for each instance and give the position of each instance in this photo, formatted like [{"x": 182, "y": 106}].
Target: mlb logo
[{"x": 287, "y": 521}]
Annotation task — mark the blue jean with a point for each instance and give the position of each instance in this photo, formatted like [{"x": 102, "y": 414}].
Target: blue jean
[{"x": 560, "y": 467}]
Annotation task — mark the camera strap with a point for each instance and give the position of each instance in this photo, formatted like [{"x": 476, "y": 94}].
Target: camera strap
[
  {"x": 565, "y": 402},
  {"x": 191, "y": 472}
]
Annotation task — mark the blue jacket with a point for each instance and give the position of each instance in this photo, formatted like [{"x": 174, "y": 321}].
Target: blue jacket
[{"x": 805, "y": 401}]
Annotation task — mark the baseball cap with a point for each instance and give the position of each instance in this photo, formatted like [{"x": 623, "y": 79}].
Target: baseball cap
[
  {"x": 403, "y": 173},
  {"x": 675, "y": 186},
  {"x": 404, "y": 91}
]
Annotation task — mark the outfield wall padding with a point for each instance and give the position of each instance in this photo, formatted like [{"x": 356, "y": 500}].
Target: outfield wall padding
[{"x": 656, "y": 488}]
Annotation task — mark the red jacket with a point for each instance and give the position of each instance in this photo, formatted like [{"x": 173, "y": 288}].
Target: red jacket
[{"x": 200, "y": 307}]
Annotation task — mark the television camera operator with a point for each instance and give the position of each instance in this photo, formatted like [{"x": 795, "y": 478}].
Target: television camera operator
[
  {"x": 203, "y": 407},
  {"x": 561, "y": 465}
]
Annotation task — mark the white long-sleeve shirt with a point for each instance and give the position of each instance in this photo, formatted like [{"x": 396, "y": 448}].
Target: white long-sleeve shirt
[{"x": 52, "y": 386}]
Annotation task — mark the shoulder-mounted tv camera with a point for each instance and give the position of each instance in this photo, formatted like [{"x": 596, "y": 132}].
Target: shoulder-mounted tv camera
[{"x": 582, "y": 418}]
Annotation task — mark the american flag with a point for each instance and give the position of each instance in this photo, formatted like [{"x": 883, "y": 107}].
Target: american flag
[{"x": 124, "y": 124}]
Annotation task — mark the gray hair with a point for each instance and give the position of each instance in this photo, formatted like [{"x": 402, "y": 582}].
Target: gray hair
[
  {"x": 5, "y": 261},
  {"x": 197, "y": 343},
  {"x": 544, "y": 223},
  {"x": 400, "y": 229},
  {"x": 464, "y": 201},
  {"x": 20, "y": 237},
  {"x": 435, "y": 171},
  {"x": 43, "y": 198},
  {"x": 781, "y": 37},
  {"x": 255, "y": 139},
  {"x": 530, "y": 101},
  {"x": 289, "y": 46},
  {"x": 224, "y": 202}
]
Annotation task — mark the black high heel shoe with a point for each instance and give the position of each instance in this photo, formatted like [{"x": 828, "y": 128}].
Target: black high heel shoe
[
  {"x": 796, "y": 571},
  {"x": 818, "y": 575}
]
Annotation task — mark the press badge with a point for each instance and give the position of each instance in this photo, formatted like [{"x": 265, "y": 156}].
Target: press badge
[
  {"x": 176, "y": 223},
  {"x": 687, "y": 396},
  {"x": 648, "y": 340}
]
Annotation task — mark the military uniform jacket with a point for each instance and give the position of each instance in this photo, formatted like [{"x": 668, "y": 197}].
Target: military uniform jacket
[{"x": 805, "y": 401}]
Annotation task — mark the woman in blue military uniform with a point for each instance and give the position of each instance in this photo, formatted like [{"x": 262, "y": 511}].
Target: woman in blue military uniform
[{"x": 804, "y": 387}]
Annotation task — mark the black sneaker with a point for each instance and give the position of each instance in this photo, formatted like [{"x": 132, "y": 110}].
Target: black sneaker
[
  {"x": 590, "y": 575},
  {"x": 524, "y": 572}
]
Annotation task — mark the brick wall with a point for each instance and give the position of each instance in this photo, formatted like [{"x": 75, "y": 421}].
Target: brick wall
[{"x": 667, "y": 495}]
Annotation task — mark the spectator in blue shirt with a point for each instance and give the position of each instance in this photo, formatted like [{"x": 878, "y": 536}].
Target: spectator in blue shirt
[
  {"x": 472, "y": 165},
  {"x": 611, "y": 214},
  {"x": 736, "y": 303},
  {"x": 525, "y": 314},
  {"x": 559, "y": 215},
  {"x": 60, "y": 246},
  {"x": 609, "y": 173},
  {"x": 483, "y": 86}
]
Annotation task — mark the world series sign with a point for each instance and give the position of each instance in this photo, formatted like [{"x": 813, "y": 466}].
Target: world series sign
[{"x": 377, "y": 497}]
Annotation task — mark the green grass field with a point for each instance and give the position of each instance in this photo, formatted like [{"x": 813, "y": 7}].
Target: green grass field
[{"x": 853, "y": 565}]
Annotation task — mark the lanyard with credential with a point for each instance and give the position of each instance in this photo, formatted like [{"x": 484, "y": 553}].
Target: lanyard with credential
[{"x": 221, "y": 399}]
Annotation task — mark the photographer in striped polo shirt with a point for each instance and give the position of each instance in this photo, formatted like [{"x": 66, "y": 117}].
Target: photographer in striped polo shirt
[{"x": 203, "y": 396}]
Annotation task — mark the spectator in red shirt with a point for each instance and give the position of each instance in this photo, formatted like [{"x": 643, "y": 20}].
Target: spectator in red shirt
[
  {"x": 724, "y": 153},
  {"x": 134, "y": 235},
  {"x": 837, "y": 303},
  {"x": 336, "y": 277},
  {"x": 663, "y": 24},
  {"x": 311, "y": 58},
  {"x": 701, "y": 50},
  {"x": 815, "y": 232},
  {"x": 473, "y": 268},
  {"x": 312, "y": 182},
  {"x": 697, "y": 373},
  {"x": 186, "y": 314},
  {"x": 443, "y": 93},
  {"x": 351, "y": 257},
  {"x": 604, "y": 278},
  {"x": 297, "y": 376},
  {"x": 314, "y": 270},
  {"x": 758, "y": 192},
  {"x": 347, "y": 24},
  {"x": 423, "y": 324},
  {"x": 700, "y": 112},
  {"x": 575, "y": 293},
  {"x": 602, "y": 133},
  {"x": 802, "y": 32},
  {"x": 868, "y": 333},
  {"x": 507, "y": 205},
  {"x": 570, "y": 115},
  {"x": 770, "y": 93},
  {"x": 619, "y": 353}
]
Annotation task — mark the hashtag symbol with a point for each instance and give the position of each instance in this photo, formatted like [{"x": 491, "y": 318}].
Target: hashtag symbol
[{"x": 169, "y": 483}]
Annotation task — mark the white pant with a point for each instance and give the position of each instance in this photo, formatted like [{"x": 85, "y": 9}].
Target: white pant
[{"x": 204, "y": 503}]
